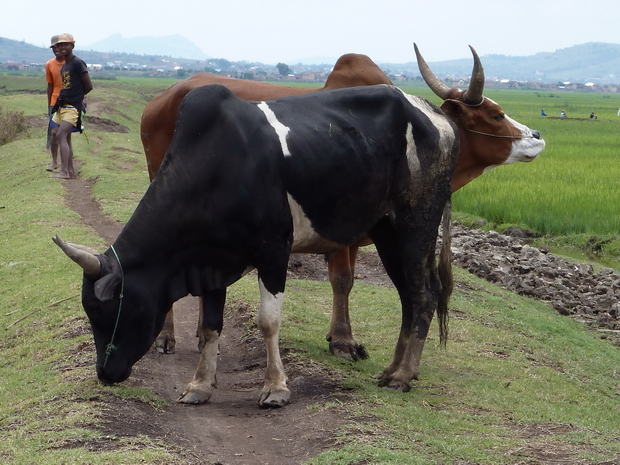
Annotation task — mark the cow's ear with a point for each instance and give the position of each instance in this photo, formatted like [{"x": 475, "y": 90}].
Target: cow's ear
[
  {"x": 453, "y": 109},
  {"x": 106, "y": 287}
]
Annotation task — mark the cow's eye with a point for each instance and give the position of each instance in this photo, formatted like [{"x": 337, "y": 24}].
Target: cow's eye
[{"x": 499, "y": 117}]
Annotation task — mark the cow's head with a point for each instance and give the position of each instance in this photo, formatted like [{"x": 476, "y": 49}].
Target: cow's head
[
  {"x": 123, "y": 323},
  {"x": 488, "y": 136}
]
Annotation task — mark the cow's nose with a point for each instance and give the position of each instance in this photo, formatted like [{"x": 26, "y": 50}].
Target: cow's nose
[{"x": 535, "y": 134}]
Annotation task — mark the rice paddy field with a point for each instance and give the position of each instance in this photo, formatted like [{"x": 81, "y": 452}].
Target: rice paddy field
[
  {"x": 572, "y": 190},
  {"x": 574, "y": 186},
  {"x": 570, "y": 193}
]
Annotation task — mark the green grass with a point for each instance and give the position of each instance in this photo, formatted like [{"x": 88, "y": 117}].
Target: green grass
[
  {"x": 512, "y": 364},
  {"x": 570, "y": 192},
  {"x": 48, "y": 396},
  {"x": 517, "y": 379},
  {"x": 572, "y": 187},
  {"x": 10, "y": 84}
]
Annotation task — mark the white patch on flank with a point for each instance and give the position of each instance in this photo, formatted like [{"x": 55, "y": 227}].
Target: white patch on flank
[
  {"x": 280, "y": 129},
  {"x": 525, "y": 149},
  {"x": 447, "y": 136},
  {"x": 305, "y": 238},
  {"x": 412, "y": 152}
]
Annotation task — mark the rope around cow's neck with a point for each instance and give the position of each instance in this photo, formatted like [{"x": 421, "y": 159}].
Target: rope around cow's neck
[
  {"x": 497, "y": 135},
  {"x": 484, "y": 133},
  {"x": 111, "y": 348}
]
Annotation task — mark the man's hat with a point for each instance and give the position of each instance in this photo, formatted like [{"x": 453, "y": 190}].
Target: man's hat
[{"x": 62, "y": 38}]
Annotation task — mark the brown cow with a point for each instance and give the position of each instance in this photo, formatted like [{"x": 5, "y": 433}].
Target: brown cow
[
  {"x": 157, "y": 129},
  {"x": 488, "y": 138}
]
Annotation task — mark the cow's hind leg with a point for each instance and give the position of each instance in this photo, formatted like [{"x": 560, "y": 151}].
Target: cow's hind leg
[
  {"x": 408, "y": 256},
  {"x": 165, "y": 342},
  {"x": 341, "y": 265},
  {"x": 199, "y": 390}
]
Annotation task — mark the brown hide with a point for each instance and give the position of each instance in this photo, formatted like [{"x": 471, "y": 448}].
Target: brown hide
[
  {"x": 468, "y": 109},
  {"x": 159, "y": 116},
  {"x": 157, "y": 128},
  {"x": 478, "y": 151}
]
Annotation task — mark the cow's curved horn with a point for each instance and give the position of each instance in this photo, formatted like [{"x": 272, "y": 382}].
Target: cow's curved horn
[
  {"x": 88, "y": 261},
  {"x": 473, "y": 95},
  {"x": 438, "y": 87}
]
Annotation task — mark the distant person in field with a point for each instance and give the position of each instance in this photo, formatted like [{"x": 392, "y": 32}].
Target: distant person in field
[
  {"x": 69, "y": 106},
  {"x": 542, "y": 112},
  {"x": 563, "y": 114},
  {"x": 54, "y": 84},
  {"x": 593, "y": 116}
]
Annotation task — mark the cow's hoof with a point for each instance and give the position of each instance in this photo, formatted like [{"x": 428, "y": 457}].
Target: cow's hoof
[
  {"x": 348, "y": 350},
  {"x": 165, "y": 344},
  {"x": 194, "y": 397},
  {"x": 273, "y": 398},
  {"x": 394, "y": 384}
]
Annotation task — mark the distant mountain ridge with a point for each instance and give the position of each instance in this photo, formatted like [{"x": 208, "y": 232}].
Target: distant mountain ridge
[
  {"x": 591, "y": 62},
  {"x": 174, "y": 46},
  {"x": 594, "y": 61}
]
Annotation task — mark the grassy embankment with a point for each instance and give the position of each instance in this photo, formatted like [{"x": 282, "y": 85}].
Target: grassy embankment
[{"x": 517, "y": 383}]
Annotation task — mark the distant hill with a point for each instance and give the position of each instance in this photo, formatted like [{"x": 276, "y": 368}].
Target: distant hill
[
  {"x": 13, "y": 50},
  {"x": 592, "y": 62},
  {"x": 174, "y": 46},
  {"x": 21, "y": 52}
]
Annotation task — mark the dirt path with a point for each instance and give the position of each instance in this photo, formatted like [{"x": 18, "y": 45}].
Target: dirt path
[{"x": 230, "y": 429}]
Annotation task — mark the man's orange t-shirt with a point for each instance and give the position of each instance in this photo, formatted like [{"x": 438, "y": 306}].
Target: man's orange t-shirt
[{"x": 53, "y": 77}]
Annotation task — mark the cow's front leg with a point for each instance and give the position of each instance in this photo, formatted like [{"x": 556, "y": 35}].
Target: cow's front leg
[
  {"x": 199, "y": 390},
  {"x": 201, "y": 331},
  {"x": 341, "y": 265},
  {"x": 165, "y": 342},
  {"x": 274, "y": 392}
]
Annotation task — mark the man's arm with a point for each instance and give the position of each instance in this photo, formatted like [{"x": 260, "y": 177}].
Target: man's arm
[
  {"x": 88, "y": 85},
  {"x": 50, "y": 89}
]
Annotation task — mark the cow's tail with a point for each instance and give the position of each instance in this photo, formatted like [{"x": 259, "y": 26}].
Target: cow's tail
[{"x": 445, "y": 274}]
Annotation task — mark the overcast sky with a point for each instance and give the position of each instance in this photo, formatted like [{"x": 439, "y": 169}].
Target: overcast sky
[{"x": 272, "y": 31}]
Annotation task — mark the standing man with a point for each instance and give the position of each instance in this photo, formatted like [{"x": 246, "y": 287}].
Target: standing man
[
  {"x": 54, "y": 84},
  {"x": 68, "y": 109}
]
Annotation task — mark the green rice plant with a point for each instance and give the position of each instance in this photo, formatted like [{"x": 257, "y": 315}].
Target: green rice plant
[
  {"x": 24, "y": 84},
  {"x": 572, "y": 187}
]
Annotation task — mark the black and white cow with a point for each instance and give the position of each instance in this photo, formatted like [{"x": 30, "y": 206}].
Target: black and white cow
[{"x": 243, "y": 185}]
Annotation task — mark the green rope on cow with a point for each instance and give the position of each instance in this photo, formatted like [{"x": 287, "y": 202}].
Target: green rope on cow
[{"x": 111, "y": 348}]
